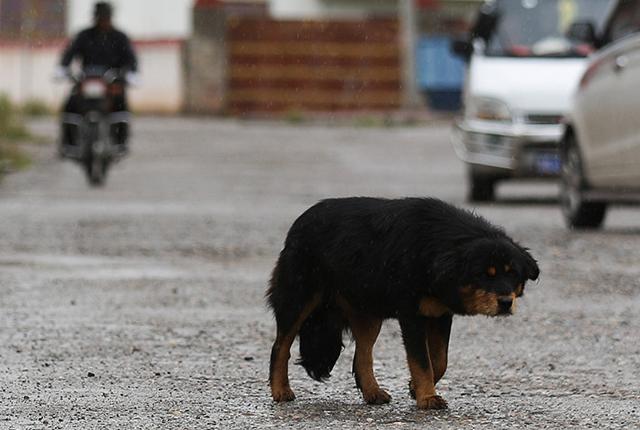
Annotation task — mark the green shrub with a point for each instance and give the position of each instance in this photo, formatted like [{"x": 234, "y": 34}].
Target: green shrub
[
  {"x": 11, "y": 125},
  {"x": 294, "y": 116},
  {"x": 12, "y": 130},
  {"x": 35, "y": 107},
  {"x": 6, "y": 112},
  {"x": 12, "y": 158}
]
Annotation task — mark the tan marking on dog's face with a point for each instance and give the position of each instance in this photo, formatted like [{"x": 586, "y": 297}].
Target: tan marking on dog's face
[
  {"x": 480, "y": 302},
  {"x": 432, "y": 307},
  {"x": 477, "y": 301},
  {"x": 491, "y": 271},
  {"x": 519, "y": 290},
  {"x": 507, "y": 268},
  {"x": 514, "y": 296}
]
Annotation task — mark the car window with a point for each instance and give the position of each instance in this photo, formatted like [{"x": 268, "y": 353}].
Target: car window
[
  {"x": 625, "y": 21},
  {"x": 537, "y": 28}
]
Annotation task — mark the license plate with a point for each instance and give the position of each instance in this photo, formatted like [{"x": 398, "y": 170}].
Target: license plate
[{"x": 548, "y": 164}]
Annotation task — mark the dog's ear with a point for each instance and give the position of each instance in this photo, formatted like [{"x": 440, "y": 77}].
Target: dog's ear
[{"x": 532, "y": 271}]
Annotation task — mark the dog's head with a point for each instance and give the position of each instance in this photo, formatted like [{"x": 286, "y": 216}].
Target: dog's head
[{"x": 486, "y": 276}]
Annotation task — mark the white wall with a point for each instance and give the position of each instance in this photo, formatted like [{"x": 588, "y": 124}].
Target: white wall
[
  {"x": 330, "y": 9},
  {"x": 295, "y": 9},
  {"x": 141, "y": 19},
  {"x": 26, "y": 74},
  {"x": 161, "y": 88}
]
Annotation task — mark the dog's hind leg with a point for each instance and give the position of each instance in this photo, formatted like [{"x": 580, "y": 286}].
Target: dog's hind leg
[
  {"x": 287, "y": 329},
  {"x": 365, "y": 331},
  {"x": 414, "y": 335}
]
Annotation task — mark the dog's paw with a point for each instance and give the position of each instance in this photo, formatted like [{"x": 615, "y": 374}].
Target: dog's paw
[
  {"x": 377, "y": 397},
  {"x": 284, "y": 394},
  {"x": 433, "y": 402}
]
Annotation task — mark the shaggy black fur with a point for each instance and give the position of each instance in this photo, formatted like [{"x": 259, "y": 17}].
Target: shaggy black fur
[{"x": 382, "y": 257}]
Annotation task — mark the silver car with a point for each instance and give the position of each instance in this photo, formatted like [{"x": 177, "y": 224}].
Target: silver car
[
  {"x": 600, "y": 149},
  {"x": 525, "y": 58}
]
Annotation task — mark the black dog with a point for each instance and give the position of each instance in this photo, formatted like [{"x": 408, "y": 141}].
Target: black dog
[{"x": 352, "y": 263}]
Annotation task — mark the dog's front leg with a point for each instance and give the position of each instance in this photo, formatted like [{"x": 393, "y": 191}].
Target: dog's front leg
[
  {"x": 438, "y": 332},
  {"x": 414, "y": 335}
]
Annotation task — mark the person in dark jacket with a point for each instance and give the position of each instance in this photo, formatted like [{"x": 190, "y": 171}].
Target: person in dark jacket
[{"x": 100, "y": 47}]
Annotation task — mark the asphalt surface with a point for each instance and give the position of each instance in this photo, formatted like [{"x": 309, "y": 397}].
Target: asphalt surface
[{"x": 141, "y": 305}]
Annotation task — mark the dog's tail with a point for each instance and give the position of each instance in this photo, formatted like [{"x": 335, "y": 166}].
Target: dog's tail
[
  {"x": 321, "y": 341},
  {"x": 292, "y": 286}
]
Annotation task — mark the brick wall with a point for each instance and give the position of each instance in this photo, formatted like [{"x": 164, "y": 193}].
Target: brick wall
[
  {"x": 242, "y": 62},
  {"x": 312, "y": 65},
  {"x": 32, "y": 19}
]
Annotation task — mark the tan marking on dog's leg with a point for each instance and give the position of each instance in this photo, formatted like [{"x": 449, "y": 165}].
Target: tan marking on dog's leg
[
  {"x": 424, "y": 387},
  {"x": 279, "y": 378},
  {"x": 365, "y": 332},
  {"x": 438, "y": 332},
  {"x": 438, "y": 355},
  {"x": 280, "y": 389},
  {"x": 412, "y": 389}
]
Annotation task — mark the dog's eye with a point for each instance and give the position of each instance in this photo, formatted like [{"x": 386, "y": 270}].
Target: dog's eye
[
  {"x": 507, "y": 268},
  {"x": 491, "y": 271}
]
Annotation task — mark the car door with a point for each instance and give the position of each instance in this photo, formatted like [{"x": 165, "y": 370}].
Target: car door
[
  {"x": 611, "y": 104},
  {"x": 592, "y": 112},
  {"x": 624, "y": 143}
]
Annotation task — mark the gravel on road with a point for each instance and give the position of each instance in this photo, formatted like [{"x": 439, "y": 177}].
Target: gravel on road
[{"x": 141, "y": 305}]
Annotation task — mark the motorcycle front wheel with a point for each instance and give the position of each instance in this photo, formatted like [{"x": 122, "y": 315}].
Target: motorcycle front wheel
[{"x": 96, "y": 167}]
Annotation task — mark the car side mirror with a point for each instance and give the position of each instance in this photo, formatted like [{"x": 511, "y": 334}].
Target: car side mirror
[
  {"x": 486, "y": 22},
  {"x": 584, "y": 32},
  {"x": 462, "y": 48}
]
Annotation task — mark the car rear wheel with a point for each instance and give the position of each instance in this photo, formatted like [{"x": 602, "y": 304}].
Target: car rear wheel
[
  {"x": 578, "y": 212},
  {"x": 481, "y": 187}
]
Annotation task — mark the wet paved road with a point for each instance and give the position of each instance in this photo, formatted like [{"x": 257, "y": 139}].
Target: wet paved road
[{"x": 141, "y": 305}]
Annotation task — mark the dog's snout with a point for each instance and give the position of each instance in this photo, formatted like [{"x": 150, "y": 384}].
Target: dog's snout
[{"x": 505, "y": 304}]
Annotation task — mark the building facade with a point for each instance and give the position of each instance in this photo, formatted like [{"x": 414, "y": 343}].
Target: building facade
[
  {"x": 33, "y": 19},
  {"x": 33, "y": 34}
]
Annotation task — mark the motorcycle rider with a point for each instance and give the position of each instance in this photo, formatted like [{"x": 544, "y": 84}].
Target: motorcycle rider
[{"x": 98, "y": 47}]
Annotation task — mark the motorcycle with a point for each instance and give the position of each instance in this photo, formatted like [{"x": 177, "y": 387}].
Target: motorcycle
[{"x": 97, "y": 129}]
